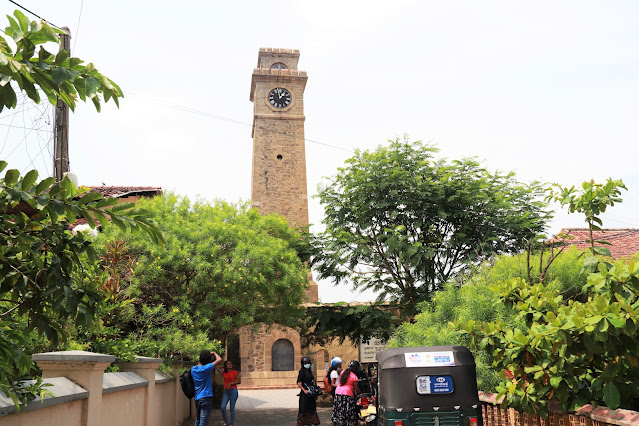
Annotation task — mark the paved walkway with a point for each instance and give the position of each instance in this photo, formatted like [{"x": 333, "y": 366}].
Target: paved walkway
[{"x": 273, "y": 407}]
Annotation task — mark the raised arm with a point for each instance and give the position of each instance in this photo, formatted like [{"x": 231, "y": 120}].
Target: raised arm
[{"x": 218, "y": 359}]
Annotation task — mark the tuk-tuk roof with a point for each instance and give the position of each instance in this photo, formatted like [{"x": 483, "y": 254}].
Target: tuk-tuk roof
[{"x": 397, "y": 357}]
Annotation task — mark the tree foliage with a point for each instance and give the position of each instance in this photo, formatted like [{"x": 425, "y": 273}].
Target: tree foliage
[
  {"x": 402, "y": 223},
  {"x": 570, "y": 351},
  {"x": 32, "y": 68},
  {"x": 44, "y": 269},
  {"x": 355, "y": 322},
  {"x": 575, "y": 351},
  {"x": 591, "y": 200},
  {"x": 223, "y": 266},
  {"x": 477, "y": 301}
]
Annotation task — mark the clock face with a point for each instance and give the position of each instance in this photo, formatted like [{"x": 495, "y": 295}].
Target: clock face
[{"x": 279, "y": 97}]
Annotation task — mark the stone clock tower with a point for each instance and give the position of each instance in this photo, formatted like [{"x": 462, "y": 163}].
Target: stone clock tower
[
  {"x": 279, "y": 158},
  {"x": 270, "y": 355}
]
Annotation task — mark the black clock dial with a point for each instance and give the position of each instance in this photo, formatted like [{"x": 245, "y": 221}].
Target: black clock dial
[{"x": 279, "y": 97}]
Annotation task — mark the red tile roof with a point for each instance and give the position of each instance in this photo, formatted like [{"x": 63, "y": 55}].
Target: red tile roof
[
  {"x": 120, "y": 192},
  {"x": 126, "y": 191},
  {"x": 624, "y": 241}
]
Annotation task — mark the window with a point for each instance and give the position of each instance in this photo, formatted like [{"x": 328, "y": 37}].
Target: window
[
  {"x": 278, "y": 66},
  {"x": 282, "y": 355}
]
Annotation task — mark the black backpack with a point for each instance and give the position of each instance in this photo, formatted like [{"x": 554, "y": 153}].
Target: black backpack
[{"x": 188, "y": 386}]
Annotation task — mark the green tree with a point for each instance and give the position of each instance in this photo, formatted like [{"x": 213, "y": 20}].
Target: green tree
[
  {"x": 223, "y": 266},
  {"x": 576, "y": 351},
  {"x": 44, "y": 269},
  {"x": 477, "y": 301},
  {"x": 34, "y": 69},
  {"x": 592, "y": 200},
  {"x": 402, "y": 223}
]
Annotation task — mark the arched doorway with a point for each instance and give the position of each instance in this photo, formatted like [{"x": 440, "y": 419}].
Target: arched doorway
[
  {"x": 283, "y": 355},
  {"x": 323, "y": 360},
  {"x": 233, "y": 351}
]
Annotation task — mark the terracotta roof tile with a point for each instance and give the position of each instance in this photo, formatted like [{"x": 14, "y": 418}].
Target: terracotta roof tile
[
  {"x": 119, "y": 191},
  {"x": 624, "y": 241}
]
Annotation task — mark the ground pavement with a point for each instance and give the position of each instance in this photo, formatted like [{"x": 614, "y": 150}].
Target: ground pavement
[{"x": 269, "y": 407}]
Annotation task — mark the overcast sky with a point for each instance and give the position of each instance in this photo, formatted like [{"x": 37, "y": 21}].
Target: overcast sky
[{"x": 548, "y": 89}]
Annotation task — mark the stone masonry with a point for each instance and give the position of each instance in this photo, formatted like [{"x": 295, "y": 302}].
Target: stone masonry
[
  {"x": 279, "y": 156},
  {"x": 278, "y": 185}
]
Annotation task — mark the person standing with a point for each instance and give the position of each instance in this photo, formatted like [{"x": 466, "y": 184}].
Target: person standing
[
  {"x": 344, "y": 406},
  {"x": 231, "y": 380},
  {"x": 203, "y": 381},
  {"x": 333, "y": 373},
  {"x": 307, "y": 413}
]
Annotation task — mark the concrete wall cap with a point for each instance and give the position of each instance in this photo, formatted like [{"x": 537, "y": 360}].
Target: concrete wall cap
[
  {"x": 147, "y": 359},
  {"x": 78, "y": 356},
  {"x": 162, "y": 378},
  {"x": 115, "y": 382},
  {"x": 63, "y": 389}
]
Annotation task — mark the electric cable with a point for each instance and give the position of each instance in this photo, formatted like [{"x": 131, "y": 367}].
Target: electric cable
[
  {"x": 77, "y": 28},
  {"x": 231, "y": 120},
  {"x": 36, "y": 15}
]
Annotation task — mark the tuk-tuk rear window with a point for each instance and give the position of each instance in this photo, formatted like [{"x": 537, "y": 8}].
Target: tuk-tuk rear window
[{"x": 428, "y": 385}]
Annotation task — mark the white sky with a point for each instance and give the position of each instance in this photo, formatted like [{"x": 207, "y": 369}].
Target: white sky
[{"x": 548, "y": 89}]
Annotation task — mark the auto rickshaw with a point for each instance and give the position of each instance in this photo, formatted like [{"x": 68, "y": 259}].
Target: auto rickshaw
[{"x": 427, "y": 386}]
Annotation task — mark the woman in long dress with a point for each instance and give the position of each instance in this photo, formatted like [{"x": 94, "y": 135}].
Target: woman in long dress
[
  {"x": 344, "y": 406},
  {"x": 307, "y": 414}
]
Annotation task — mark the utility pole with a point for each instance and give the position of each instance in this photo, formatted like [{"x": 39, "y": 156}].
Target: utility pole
[{"x": 61, "y": 133}]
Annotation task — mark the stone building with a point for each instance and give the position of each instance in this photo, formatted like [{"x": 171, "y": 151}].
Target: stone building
[{"x": 270, "y": 356}]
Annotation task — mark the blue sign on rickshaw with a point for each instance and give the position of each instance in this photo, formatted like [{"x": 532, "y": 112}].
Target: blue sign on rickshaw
[{"x": 427, "y": 385}]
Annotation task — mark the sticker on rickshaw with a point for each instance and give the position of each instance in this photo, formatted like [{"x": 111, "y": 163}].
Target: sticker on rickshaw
[
  {"x": 427, "y": 385},
  {"x": 429, "y": 359}
]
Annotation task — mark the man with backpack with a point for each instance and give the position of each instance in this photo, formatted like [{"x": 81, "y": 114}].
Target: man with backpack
[{"x": 203, "y": 383}]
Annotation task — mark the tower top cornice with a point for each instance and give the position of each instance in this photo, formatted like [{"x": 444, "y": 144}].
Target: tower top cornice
[{"x": 270, "y": 57}]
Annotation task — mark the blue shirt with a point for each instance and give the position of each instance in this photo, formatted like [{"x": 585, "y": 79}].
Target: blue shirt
[{"x": 203, "y": 380}]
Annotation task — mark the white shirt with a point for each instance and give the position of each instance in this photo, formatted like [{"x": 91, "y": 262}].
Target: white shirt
[{"x": 334, "y": 377}]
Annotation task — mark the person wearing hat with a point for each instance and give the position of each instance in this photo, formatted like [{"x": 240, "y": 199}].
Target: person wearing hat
[
  {"x": 307, "y": 413},
  {"x": 333, "y": 373}
]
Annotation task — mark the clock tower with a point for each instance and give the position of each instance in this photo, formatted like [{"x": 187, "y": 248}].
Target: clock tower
[
  {"x": 270, "y": 355},
  {"x": 279, "y": 158}
]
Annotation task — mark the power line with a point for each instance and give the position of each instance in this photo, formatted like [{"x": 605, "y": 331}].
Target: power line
[
  {"x": 35, "y": 14},
  {"x": 231, "y": 120},
  {"x": 77, "y": 28},
  {"x": 25, "y": 128}
]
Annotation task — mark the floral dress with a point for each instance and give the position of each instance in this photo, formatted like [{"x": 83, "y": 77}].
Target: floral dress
[
  {"x": 307, "y": 414},
  {"x": 344, "y": 405}
]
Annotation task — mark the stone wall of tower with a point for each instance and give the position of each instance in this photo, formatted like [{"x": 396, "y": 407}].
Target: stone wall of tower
[
  {"x": 279, "y": 169},
  {"x": 278, "y": 182}
]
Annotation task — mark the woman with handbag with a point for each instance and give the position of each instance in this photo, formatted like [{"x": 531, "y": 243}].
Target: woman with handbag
[{"x": 307, "y": 414}]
